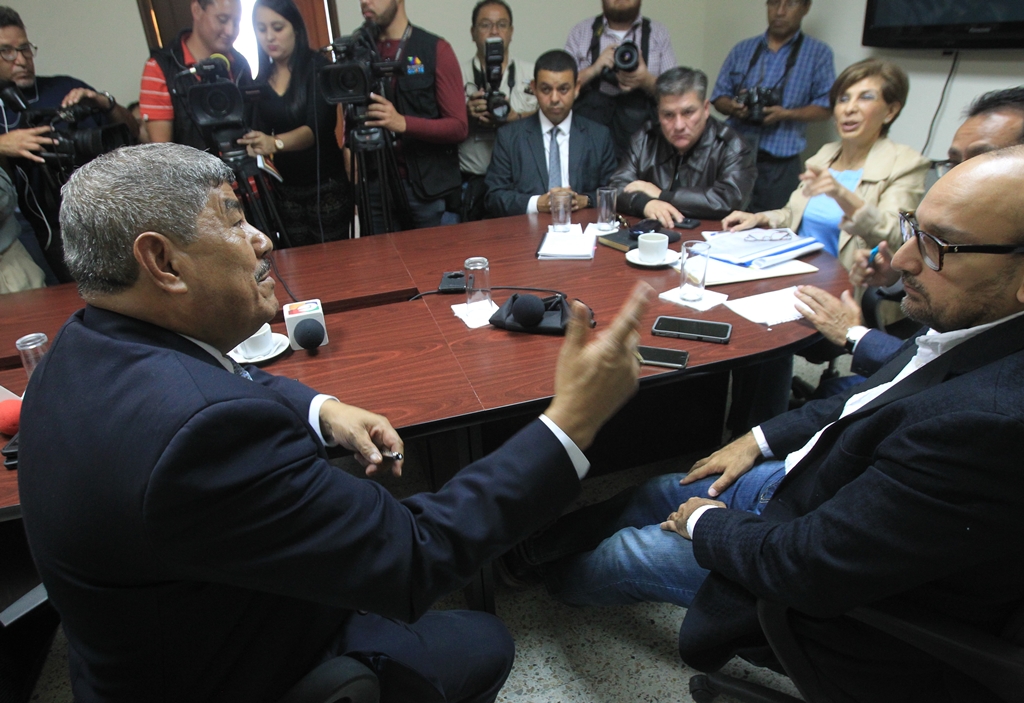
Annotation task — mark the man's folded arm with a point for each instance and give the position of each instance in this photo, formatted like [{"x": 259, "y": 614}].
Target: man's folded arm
[{"x": 730, "y": 191}]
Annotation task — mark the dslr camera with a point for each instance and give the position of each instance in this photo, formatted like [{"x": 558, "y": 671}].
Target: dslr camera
[
  {"x": 757, "y": 99},
  {"x": 627, "y": 59},
  {"x": 357, "y": 69},
  {"x": 494, "y": 55}
]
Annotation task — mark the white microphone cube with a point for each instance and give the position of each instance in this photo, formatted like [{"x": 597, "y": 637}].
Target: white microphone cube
[{"x": 294, "y": 313}]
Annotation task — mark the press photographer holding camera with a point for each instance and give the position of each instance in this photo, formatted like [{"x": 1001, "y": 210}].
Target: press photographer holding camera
[
  {"x": 620, "y": 54},
  {"x": 498, "y": 92},
  {"x": 771, "y": 86},
  {"x": 47, "y": 131}
]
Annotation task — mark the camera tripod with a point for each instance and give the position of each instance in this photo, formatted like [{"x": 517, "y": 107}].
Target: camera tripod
[
  {"x": 257, "y": 197},
  {"x": 375, "y": 163}
]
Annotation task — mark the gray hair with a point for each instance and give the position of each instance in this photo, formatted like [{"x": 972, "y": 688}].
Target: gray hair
[
  {"x": 680, "y": 81},
  {"x": 116, "y": 197}
]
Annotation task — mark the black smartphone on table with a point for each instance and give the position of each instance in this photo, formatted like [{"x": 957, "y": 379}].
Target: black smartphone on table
[
  {"x": 686, "y": 328},
  {"x": 660, "y": 356}
]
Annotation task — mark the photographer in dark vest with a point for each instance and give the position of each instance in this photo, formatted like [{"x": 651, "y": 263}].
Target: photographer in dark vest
[
  {"x": 620, "y": 54},
  {"x": 215, "y": 25},
  {"x": 426, "y": 110}
]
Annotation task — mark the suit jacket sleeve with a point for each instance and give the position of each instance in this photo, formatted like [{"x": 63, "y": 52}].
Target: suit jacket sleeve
[
  {"x": 924, "y": 509},
  {"x": 734, "y": 181},
  {"x": 873, "y": 350},
  {"x": 241, "y": 496},
  {"x": 504, "y": 174}
]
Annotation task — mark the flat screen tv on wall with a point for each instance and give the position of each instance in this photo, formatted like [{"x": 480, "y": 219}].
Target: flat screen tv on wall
[{"x": 944, "y": 24}]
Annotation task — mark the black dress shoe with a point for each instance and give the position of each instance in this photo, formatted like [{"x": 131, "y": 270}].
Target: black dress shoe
[{"x": 514, "y": 571}]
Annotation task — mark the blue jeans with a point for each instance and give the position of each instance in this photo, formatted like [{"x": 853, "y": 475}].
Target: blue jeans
[{"x": 640, "y": 562}]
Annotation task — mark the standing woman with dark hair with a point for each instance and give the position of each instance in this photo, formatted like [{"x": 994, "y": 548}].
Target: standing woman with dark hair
[{"x": 294, "y": 124}]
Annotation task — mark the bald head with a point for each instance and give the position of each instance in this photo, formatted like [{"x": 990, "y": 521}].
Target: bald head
[
  {"x": 969, "y": 227},
  {"x": 985, "y": 188}
]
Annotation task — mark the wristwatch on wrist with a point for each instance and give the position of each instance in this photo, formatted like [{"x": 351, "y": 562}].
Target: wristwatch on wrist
[
  {"x": 278, "y": 144},
  {"x": 853, "y": 335},
  {"x": 110, "y": 98}
]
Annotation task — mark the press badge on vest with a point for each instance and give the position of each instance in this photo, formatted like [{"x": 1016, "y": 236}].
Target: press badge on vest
[{"x": 415, "y": 66}]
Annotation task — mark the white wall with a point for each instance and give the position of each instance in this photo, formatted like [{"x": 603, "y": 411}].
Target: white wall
[
  {"x": 102, "y": 42},
  {"x": 840, "y": 23}
]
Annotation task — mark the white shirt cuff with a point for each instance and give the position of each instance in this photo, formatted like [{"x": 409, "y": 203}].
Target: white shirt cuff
[
  {"x": 762, "y": 443},
  {"x": 314, "y": 416},
  {"x": 691, "y": 522},
  {"x": 531, "y": 208},
  {"x": 579, "y": 460},
  {"x": 856, "y": 333}
]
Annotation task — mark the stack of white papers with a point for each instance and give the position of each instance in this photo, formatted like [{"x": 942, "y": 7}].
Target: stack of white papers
[
  {"x": 759, "y": 248},
  {"x": 573, "y": 244},
  {"x": 719, "y": 273},
  {"x": 771, "y": 308}
]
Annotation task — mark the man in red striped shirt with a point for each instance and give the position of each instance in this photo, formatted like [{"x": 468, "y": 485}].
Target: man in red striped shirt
[{"x": 215, "y": 25}]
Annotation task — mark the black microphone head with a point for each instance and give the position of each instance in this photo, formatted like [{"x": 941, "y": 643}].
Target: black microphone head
[
  {"x": 309, "y": 333},
  {"x": 528, "y": 310}
]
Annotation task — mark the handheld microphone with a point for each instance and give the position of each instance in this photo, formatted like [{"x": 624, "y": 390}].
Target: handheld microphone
[{"x": 304, "y": 322}]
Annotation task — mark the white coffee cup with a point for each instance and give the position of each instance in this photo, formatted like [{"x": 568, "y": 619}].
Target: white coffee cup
[
  {"x": 653, "y": 247},
  {"x": 259, "y": 344}
]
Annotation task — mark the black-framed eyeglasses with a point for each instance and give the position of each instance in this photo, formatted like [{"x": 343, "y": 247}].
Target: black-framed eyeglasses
[
  {"x": 10, "y": 53},
  {"x": 933, "y": 249}
]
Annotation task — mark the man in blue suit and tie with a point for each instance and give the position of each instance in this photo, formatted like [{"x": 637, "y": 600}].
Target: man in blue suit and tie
[
  {"x": 181, "y": 509},
  {"x": 551, "y": 151}
]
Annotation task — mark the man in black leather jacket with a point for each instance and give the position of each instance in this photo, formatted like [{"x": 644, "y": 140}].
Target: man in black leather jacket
[{"x": 690, "y": 165}]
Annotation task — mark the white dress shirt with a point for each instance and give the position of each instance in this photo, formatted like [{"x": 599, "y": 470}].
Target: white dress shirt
[{"x": 546, "y": 126}]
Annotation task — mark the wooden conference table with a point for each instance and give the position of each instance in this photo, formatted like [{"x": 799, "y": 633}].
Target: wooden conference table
[{"x": 420, "y": 366}]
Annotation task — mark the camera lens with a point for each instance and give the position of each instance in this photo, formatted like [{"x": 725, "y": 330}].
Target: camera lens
[{"x": 627, "y": 57}]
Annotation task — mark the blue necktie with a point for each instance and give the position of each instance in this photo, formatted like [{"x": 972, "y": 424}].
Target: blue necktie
[
  {"x": 554, "y": 162},
  {"x": 238, "y": 370}
]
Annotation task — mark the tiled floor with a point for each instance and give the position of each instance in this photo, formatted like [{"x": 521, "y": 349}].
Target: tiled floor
[{"x": 564, "y": 655}]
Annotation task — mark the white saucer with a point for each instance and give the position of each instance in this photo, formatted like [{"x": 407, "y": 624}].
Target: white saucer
[
  {"x": 280, "y": 344},
  {"x": 633, "y": 257}
]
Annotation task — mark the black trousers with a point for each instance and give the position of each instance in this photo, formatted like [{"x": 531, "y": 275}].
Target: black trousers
[
  {"x": 776, "y": 180},
  {"x": 447, "y": 656}
]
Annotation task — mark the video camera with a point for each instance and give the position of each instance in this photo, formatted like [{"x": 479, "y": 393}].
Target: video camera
[
  {"x": 494, "y": 57},
  {"x": 627, "y": 59},
  {"x": 216, "y": 106},
  {"x": 757, "y": 99},
  {"x": 73, "y": 144},
  {"x": 357, "y": 69}
]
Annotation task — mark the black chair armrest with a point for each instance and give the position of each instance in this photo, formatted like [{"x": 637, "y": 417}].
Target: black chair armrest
[{"x": 336, "y": 680}]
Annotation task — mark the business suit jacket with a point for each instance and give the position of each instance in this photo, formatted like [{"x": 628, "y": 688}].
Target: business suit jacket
[
  {"x": 195, "y": 540},
  {"x": 918, "y": 495},
  {"x": 709, "y": 181},
  {"x": 519, "y": 169}
]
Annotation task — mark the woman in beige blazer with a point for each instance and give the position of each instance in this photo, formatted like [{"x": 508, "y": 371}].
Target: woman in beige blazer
[{"x": 881, "y": 177}]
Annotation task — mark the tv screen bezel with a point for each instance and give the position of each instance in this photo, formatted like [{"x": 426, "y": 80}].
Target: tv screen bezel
[{"x": 992, "y": 35}]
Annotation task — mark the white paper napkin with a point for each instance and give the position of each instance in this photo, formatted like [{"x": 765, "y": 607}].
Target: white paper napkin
[
  {"x": 475, "y": 315},
  {"x": 711, "y": 299}
]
